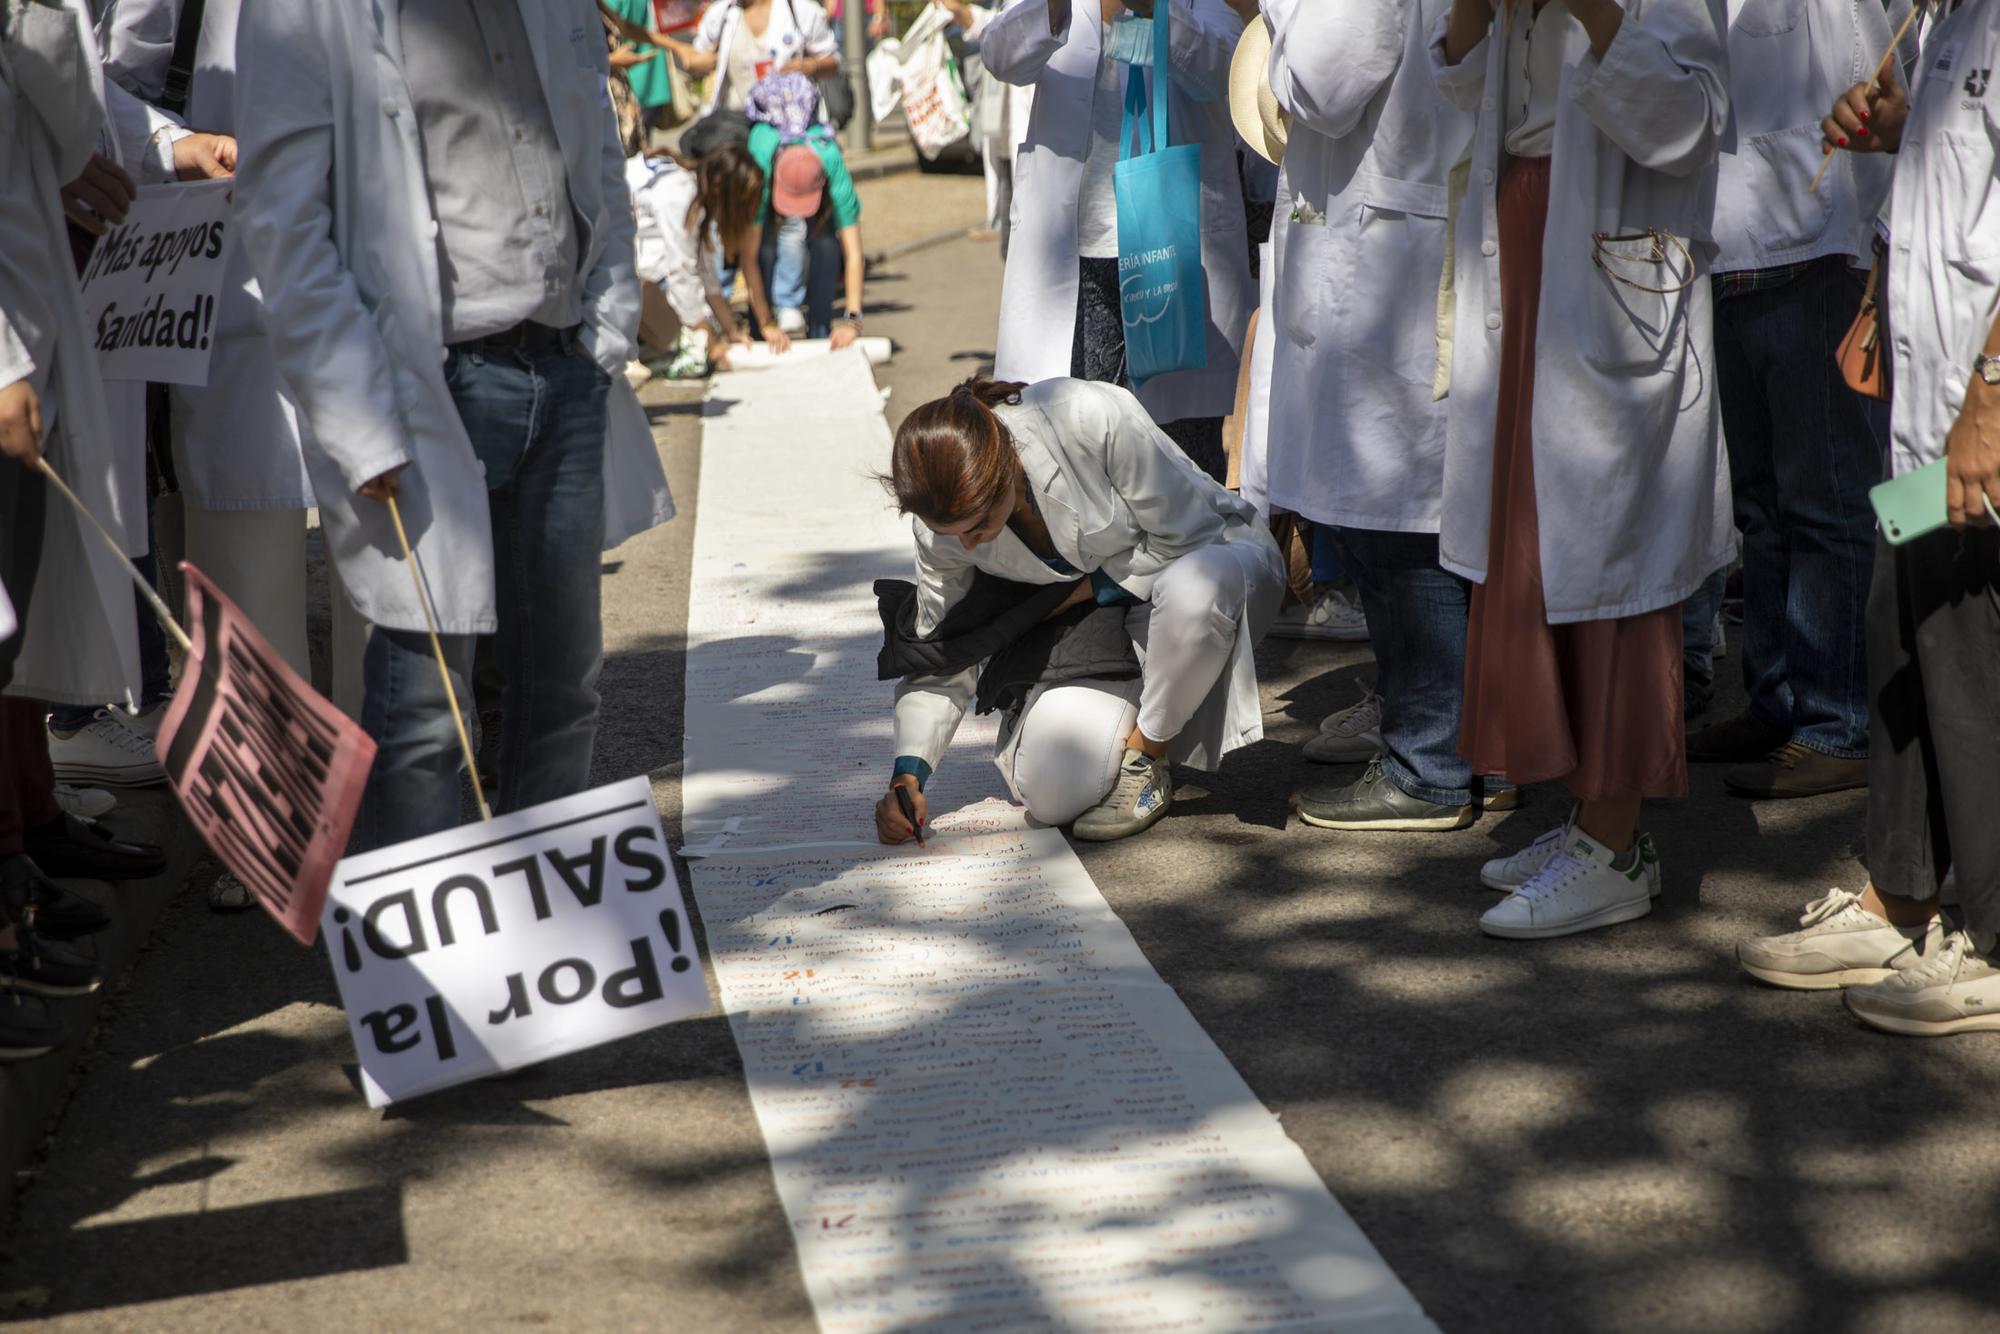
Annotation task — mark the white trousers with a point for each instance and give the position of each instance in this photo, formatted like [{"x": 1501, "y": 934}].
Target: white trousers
[
  {"x": 1068, "y": 746},
  {"x": 1186, "y": 636},
  {"x": 257, "y": 557},
  {"x": 1064, "y": 755}
]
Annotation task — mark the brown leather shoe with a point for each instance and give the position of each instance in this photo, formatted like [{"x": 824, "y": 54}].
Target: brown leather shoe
[
  {"x": 1795, "y": 770},
  {"x": 1735, "y": 740}
]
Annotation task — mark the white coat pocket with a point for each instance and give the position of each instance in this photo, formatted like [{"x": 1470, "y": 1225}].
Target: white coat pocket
[
  {"x": 1794, "y": 217},
  {"x": 1311, "y": 260},
  {"x": 1768, "y": 18},
  {"x": 1963, "y": 163},
  {"x": 1637, "y": 316},
  {"x": 1384, "y": 310}
]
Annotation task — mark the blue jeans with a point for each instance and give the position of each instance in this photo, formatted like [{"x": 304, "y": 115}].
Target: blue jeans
[
  {"x": 1325, "y": 554},
  {"x": 1803, "y": 451},
  {"x": 788, "y": 276},
  {"x": 1416, "y": 620},
  {"x": 826, "y": 264},
  {"x": 537, "y": 423},
  {"x": 1698, "y": 616}
]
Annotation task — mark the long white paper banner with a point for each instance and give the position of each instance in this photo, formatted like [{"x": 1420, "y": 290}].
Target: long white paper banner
[{"x": 984, "y": 1108}]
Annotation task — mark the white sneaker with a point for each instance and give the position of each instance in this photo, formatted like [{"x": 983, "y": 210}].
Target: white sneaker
[
  {"x": 113, "y": 749},
  {"x": 1335, "y": 616},
  {"x": 1578, "y": 889},
  {"x": 1508, "y": 874},
  {"x": 1353, "y": 734},
  {"x": 87, "y": 803},
  {"x": 1144, "y": 790},
  {"x": 1957, "y": 990},
  {"x": 791, "y": 320},
  {"x": 1839, "y": 944}
]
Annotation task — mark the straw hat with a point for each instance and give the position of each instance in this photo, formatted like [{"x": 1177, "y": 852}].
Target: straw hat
[{"x": 1259, "y": 119}]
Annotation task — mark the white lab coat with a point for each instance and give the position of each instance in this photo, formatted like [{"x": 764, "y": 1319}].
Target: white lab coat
[
  {"x": 79, "y": 639},
  {"x": 237, "y": 438},
  {"x": 795, "y": 28},
  {"x": 1788, "y": 60},
  {"x": 1001, "y": 110},
  {"x": 668, "y": 250},
  {"x": 1039, "y": 291},
  {"x": 1631, "y": 486},
  {"x": 1118, "y": 496},
  {"x": 139, "y": 138},
  {"x": 1357, "y": 436},
  {"x": 1944, "y": 233},
  {"x": 336, "y": 218}
]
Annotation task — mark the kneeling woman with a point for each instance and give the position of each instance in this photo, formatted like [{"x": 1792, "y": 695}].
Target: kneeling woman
[{"x": 1069, "y": 481}]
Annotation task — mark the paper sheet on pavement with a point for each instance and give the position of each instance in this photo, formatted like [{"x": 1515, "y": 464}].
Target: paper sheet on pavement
[{"x": 984, "y": 1107}]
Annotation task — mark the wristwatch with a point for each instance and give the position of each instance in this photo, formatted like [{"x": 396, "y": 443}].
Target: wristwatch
[
  {"x": 1987, "y": 368},
  {"x": 853, "y": 317}
]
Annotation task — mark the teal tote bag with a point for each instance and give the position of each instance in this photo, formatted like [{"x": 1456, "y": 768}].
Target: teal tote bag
[{"x": 1158, "y": 190}]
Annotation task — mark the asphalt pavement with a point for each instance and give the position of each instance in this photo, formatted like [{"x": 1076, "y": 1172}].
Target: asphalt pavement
[{"x": 1613, "y": 1132}]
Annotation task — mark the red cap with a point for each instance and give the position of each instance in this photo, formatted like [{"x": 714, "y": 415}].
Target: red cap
[{"x": 798, "y": 180}]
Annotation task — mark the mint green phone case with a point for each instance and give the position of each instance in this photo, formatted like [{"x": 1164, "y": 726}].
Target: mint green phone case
[{"x": 1911, "y": 505}]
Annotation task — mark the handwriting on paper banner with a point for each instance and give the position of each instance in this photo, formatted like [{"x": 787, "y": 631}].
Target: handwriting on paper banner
[
  {"x": 985, "y": 1110},
  {"x": 150, "y": 288},
  {"x": 269, "y": 772},
  {"x": 500, "y": 944}
]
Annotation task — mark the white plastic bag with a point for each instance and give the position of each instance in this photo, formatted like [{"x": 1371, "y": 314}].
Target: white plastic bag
[
  {"x": 885, "y": 77},
  {"x": 934, "y": 100}
]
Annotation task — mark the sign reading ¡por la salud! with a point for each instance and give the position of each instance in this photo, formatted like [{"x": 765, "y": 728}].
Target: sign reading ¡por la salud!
[
  {"x": 500, "y": 944},
  {"x": 151, "y": 284}
]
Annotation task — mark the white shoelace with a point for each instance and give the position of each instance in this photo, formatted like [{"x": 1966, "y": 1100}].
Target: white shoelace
[
  {"x": 117, "y": 734},
  {"x": 1538, "y": 851},
  {"x": 1558, "y": 873},
  {"x": 1363, "y": 716},
  {"x": 1941, "y": 968},
  {"x": 1828, "y": 906}
]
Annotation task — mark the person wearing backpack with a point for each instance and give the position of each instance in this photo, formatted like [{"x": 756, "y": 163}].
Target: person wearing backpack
[{"x": 807, "y": 183}]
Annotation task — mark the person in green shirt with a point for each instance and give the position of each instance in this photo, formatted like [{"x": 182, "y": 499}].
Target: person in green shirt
[
  {"x": 808, "y": 178},
  {"x": 645, "y": 66}
]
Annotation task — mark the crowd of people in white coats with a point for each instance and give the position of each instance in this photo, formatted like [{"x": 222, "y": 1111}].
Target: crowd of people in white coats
[
  {"x": 1576, "y": 333},
  {"x": 1544, "y": 339}
]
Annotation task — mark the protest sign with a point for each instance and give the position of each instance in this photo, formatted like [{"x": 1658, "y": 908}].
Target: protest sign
[
  {"x": 268, "y": 771},
  {"x": 150, "y": 288},
  {"x": 500, "y": 944}
]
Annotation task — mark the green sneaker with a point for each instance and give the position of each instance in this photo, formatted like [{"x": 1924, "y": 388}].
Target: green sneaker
[
  {"x": 1376, "y": 803},
  {"x": 1144, "y": 790}
]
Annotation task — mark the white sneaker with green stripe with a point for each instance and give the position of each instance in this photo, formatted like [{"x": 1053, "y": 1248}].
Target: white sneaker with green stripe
[{"x": 1581, "y": 887}]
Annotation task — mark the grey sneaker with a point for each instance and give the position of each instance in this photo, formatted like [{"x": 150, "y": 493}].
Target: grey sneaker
[
  {"x": 1376, "y": 803},
  {"x": 1355, "y": 733},
  {"x": 1144, "y": 790},
  {"x": 1957, "y": 990},
  {"x": 1838, "y": 944}
]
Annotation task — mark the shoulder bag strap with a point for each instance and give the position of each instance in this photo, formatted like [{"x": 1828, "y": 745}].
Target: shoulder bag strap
[
  {"x": 180, "y": 66},
  {"x": 1162, "y": 69}
]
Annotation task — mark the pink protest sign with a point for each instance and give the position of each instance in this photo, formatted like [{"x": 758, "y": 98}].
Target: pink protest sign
[{"x": 266, "y": 768}]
